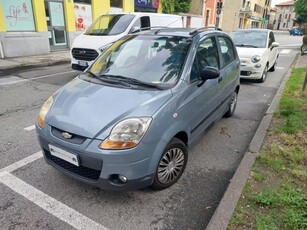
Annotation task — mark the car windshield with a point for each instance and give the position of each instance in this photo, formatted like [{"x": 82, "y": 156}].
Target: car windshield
[
  {"x": 110, "y": 24},
  {"x": 250, "y": 38},
  {"x": 146, "y": 60}
]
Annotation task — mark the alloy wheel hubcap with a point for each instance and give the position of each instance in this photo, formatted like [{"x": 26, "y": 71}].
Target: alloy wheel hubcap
[{"x": 170, "y": 166}]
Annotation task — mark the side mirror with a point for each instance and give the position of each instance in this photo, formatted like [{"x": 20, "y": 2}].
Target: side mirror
[
  {"x": 209, "y": 72},
  {"x": 135, "y": 29},
  {"x": 275, "y": 44}
]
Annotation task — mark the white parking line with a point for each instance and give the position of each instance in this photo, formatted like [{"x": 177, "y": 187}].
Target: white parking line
[
  {"x": 34, "y": 78},
  {"x": 29, "y": 128},
  {"x": 51, "y": 205},
  {"x": 285, "y": 51},
  {"x": 22, "y": 162},
  {"x": 279, "y": 67}
]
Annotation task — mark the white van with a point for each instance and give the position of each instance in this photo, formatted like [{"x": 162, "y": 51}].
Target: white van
[{"x": 108, "y": 28}]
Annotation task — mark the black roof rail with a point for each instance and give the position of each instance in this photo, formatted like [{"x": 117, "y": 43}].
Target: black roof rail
[
  {"x": 149, "y": 28},
  {"x": 203, "y": 29}
]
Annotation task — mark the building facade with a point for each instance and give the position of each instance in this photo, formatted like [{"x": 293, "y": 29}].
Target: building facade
[
  {"x": 238, "y": 14},
  {"x": 284, "y": 16},
  {"x": 33, "y": 27}
]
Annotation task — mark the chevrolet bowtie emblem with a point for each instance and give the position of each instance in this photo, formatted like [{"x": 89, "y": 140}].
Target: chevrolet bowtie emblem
[{"x": 66, "y": 135}]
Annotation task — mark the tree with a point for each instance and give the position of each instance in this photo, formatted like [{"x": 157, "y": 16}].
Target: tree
[
  {"x": 176, "y": 6},
  {"x": 300, "y": 8},
  {"x": 168, "y": 6},
  {"x": 182, "y": 6}
]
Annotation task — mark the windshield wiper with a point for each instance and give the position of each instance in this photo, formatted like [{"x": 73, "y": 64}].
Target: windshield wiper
[
  {"x": 107, "y": 80},
  {"x": 133, "y": 81},
  {"x": 245, "y": 45}
]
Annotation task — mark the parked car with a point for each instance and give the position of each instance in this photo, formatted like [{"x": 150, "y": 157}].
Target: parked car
[
  {"x": 295, "y": 31},
  {"x": 258, "y": 52},
  {"x": 128, "y": 121},
  {"x": 108, "y": 28}
]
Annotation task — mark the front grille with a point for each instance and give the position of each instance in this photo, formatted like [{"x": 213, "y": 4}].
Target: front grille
[
  {"x": 82, "y": 171},
  {"x": 75, "y": 139},
  {"x": 84, "y": 54}
]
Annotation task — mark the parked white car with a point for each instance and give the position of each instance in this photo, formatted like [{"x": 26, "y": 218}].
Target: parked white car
[{"x": 258, "y": 52}]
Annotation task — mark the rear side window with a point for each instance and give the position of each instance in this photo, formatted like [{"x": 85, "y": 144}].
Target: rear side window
[
  {"x": 143, "y": 22},
  {"x": 227, "y": 50}
]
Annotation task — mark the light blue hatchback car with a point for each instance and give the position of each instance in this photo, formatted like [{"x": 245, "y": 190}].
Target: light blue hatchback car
[{"x": 128, "y": 121}]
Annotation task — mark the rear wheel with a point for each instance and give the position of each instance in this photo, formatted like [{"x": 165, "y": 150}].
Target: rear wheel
[
  {"x": 171, "y": 165},
  {"x": 232, "y": 104}
]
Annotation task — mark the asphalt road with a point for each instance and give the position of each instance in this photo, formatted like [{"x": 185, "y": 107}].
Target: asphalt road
[{"x": 33, "y": 195}]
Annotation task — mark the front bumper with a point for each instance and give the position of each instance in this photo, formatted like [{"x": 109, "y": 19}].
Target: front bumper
[
  {"x": 251, "y": 70},
  {"x": 97, "y": 167}
]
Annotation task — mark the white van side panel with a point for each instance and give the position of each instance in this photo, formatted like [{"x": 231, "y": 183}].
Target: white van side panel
[{"x": 173, "y": 21}]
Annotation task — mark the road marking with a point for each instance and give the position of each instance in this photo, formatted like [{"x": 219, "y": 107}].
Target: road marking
[
  {"x": 22, "y": 162},
  {"x": 285, "y": 51},
  {"x": 29, "y": 128},
  {"x": 34, "y": 78},
  {"x": 49, "y": 204},
  {"x": 279, "y": 67}
]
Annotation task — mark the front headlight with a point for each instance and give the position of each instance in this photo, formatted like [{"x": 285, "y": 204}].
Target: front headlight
[
  {"x": 127, "y": 133},
  {"x": 43, "y": 112},
  {"x": 256, "y": 58}
]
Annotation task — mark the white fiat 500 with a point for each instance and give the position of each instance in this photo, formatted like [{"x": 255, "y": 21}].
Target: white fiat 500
[{"x": 257, "y": 51}]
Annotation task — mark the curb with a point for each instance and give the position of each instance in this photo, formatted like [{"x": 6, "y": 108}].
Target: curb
[
  {"x": 224, "y": 211},
  {"x": 33, "y": 64}
]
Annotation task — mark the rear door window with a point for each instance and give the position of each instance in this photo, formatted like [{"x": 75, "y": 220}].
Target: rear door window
[{"x": 227, "y": 51}]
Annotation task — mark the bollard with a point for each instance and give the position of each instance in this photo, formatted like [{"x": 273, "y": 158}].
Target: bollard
[{"x": 305, "y": 81}]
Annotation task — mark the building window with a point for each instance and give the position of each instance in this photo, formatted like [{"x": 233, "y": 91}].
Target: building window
[
  {"x": 286, "y": 15},
  {"x": 284, "y": 25},
  {"x": 116, "y": 3},
  {"x": 18, "y": 15}
]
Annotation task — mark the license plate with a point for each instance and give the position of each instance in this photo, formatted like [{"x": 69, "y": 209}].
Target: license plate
[
  {"x": 83, "y": 63},
  {"x": 64, "y": 155}
]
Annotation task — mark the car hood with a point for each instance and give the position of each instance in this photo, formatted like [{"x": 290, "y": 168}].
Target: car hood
[
  {"x": 246, "y": 52},
  {"x": 94, "y": 42},
  {"x": 91, "y": 110}
]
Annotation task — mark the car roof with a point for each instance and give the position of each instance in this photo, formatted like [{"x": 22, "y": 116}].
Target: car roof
[
  {"x": 183, "y": 32},
  {"x": 253, "y": 29}
]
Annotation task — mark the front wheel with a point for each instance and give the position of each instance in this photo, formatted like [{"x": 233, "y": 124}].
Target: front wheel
[
  {"x": 171, "y": 165},
  {"x": 232, "y": 104},
  {"x": 264, "y": 74}
]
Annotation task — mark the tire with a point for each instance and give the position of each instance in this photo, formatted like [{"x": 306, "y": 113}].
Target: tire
[
  {"x": 171, "y": 165},
  {"x": 264, "y": 75},
  {"x": 232, "y": 104},
  {"x": 274, "y": 66}
]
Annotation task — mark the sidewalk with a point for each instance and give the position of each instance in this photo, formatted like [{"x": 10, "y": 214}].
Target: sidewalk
[{"x": 53, "y": 58}]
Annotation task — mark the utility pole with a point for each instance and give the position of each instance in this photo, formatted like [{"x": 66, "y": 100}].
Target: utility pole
[{"x": 219, "y": 6}]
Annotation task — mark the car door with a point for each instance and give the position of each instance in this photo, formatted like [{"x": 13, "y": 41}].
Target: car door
[
  {"x": 230, "y": 67},
  {"x": 202, "y": 98},
  {"x": 272, "y": 50}
]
